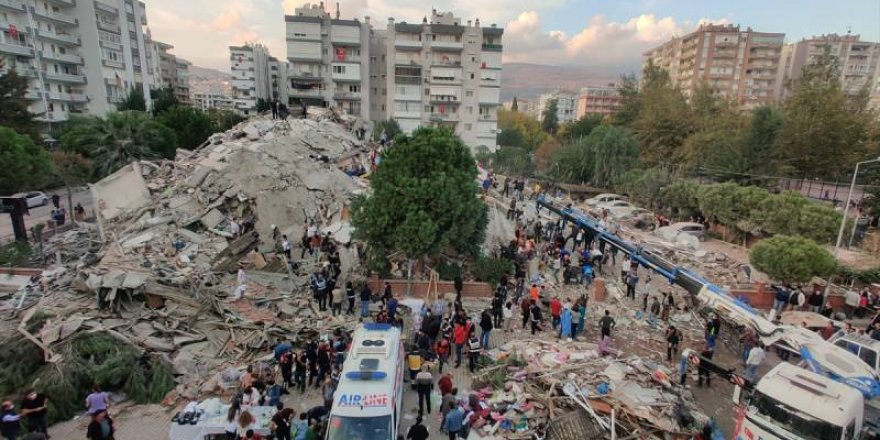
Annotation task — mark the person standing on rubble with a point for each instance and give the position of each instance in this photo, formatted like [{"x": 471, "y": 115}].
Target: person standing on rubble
[
  {"x": 555, "y": 311},
  {"x": 301, "y": 363},
  {"x": 319, "y": 289},
  {"x": 460, "y": 336},
  {"x": 565, "y": 324},
  {"x": 442, "y": 348},
  {"x": 624, "y": 270},
  {"x": 673, "y": 337},
  {"x": 536, "y": 318},
  {"x": 507, "y": 311},
  {"x": 497, "y": 309},
  {"x": 366, "y": 296},
  {"x": 702, "y": 371},
  {"x": 606, "y": 323},
  {"x": 712, "y": 329},
  {"x": 486, "y": 326},
  {"x": 274, "y": 109},
  {"x": 350, "y": 296},
  {"x": 525, "y": 308},
  {"x": 632, "y": 280},
  {"x": 285, "y": 364},
  {"x": 453, "y": 421},
  {"x": 336, "y": 301},
  {"x": 241, "y": 286}
]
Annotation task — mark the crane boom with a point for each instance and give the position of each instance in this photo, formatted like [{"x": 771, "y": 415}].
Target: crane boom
[{"x": 820, "y": 355}]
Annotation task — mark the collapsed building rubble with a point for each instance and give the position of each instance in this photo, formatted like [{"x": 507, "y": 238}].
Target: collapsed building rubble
[{"x": 157, "y": 271}]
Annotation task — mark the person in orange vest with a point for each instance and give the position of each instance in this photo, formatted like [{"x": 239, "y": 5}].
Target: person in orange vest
[
  {"x": 460, "y": 335},
  {"x": 534, "y": 293}
]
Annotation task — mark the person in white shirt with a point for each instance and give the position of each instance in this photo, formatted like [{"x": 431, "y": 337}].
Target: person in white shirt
[
  {"x": 756, "y": 356},
  {"x": 624, "y": 270},
  {"x": 234, "y": 228},
  {"x": 241, "y": 286},
  {"x": 285, "y": 246},
  {"x": 250, "y": 397}
]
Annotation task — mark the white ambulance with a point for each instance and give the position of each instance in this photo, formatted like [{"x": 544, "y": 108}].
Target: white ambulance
[{"x": 367, "y": 402}]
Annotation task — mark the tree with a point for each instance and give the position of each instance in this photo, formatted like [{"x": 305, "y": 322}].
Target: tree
[
  {"x": 792, "y": 259},
  {"x": 511, "y": 137},
  {"x": 573, "y": 162},
  {"x": 660, "y": 117},
  {"x": 134, "y": 101},
  {"x": 225, "y": 119},
  {"x": 389, "y": 126},
  {"x": 424, "y": 200},
  {"x": 759, "y": 152},
  {"x": 513, "y": 161},
  {"x": 572, "y": 131},
  {"x": 163, "y": 100},
  {"x": 514, "y": 107},
  {"x": 528, "y": 126},
  {"x": 615, "y": 151},
  {"x": 72, "y": 169},
  {"x": 14, "y": 112},
  {"x": 191, "y": 126},
  {"x": 630, "y": 102},
  {"x": 26, "y": 166},
  {"x": 718, "y": 130},
  {"x": 680, "y": 199},
  {"x": 263, "y": 105},
  {"x": 549, "y": 118},
  {"x": 824, "y": 132},
  {"x": 119, "y": 139}
]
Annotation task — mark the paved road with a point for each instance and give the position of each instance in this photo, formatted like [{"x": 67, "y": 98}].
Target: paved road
[{"x": 42, "y": 213}]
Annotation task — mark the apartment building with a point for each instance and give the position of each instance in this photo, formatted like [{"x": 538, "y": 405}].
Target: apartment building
[
  {"x": 441, "y": 72},
  {"x": 250, "y": 78},
  {"x": 603, "y": 100},
  {"x": 858, "y": 60},
  {"x": 744, "y": 65},
  {"x": 181, "y": 83},
  {"x": 78, "y": 56},
  {"x": 566, "y": 106},
  {"x": 329, "y": 60},
  {"x": 208, "y": 100}
]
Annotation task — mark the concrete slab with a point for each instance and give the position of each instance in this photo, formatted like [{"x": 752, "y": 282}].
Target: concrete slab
[{"x": 212, "y": 219}]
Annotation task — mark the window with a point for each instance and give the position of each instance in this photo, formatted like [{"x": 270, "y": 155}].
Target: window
[
  {"x": 383, "y": 107},
  {"x": 470, "y": 110},
  {"x": 354, "y": 88},
  {"x": 427, "y": 109},
  {"x": 469, "y": 92},
  {"x": 338, "y": 69},
  {"x": 467, "y": 127},
  {"x": 472, "y": 76},
  {"x": 869, "y": 356}
]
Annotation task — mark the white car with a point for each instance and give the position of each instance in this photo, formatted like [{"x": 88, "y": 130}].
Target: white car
[
  {"x": 670, "y": 232},
  {"x": 604, "y": 198},
  {"x": 36, "y": 198},
  {"x": 616, "y": 204}
]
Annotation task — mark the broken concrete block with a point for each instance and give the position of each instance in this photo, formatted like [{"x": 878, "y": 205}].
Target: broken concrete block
[
  {"x": 190, "y": 236},
  {"x": 212, "y": 219}
]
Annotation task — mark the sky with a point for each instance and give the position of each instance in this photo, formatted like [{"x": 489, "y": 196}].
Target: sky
[{"x": 603, "y": 34}]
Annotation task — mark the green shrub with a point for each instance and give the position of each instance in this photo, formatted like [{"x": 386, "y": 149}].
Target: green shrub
[
  {"x": 447, "y": 271},
  {"x": 491, "y": 269}
]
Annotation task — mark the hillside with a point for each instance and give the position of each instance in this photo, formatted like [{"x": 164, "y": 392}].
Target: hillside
[
  {"x": 530, "y": 80},
  {"x": 202, "y": 80}
]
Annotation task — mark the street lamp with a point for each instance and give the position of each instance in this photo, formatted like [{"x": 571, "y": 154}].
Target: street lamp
[{"x": 837, "y": 244}]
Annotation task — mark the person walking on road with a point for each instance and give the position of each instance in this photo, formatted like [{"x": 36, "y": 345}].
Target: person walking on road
[
  {"x": 453, "y": 422},
  {"x": 424, "y": 386},
  {"x": 486, "y": 326},
  {"x": 417, "y": 431},
  {"x": 756, "y": 356}
]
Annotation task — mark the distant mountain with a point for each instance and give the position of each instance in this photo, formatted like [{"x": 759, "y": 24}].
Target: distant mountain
[
  {"x": 203, "y": 80},
  {"x": 530, "y": 80}
]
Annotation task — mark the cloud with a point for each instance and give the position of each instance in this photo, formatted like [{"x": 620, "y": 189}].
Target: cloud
[{"x": 600, "y": 43}]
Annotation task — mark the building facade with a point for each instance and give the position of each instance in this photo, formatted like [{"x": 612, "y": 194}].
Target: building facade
[
  {"x": 208, "y": 100},
  {"x": 566, "y": 106},
  {"x": 440, "y": 72},
  {"x": 181, "y": 83},
  {"x": 858, "y": 60},
  {"x": 602, "y": 100},
  {"x": 78, "y": 56},
  {"x": 743, "y": 65},
  {"x": 250, "y": 78},
  {"x": 328, "y": 60}
]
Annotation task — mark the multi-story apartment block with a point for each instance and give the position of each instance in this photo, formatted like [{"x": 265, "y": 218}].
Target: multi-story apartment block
[
  {"x": 741, "y": 65},
  {"x": 181, "y": 83},
  {"x": 566, "y": 105},
  {"x": 209, "y": 100},
  {"x": 329, "y": 60},
  {"x": 278, "y": 80},
  {"x": 858, "y": 60},
  {"x": 78, "y": 56},
  {"x": 602, "y": 100},
  {"x": 440, "y": 72},
  {"x": 250, "y": 76}
]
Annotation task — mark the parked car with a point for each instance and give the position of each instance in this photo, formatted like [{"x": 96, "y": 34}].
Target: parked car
[
  {"x": 616, "y": 204},
  {"x": 36, "y": 198},
  {"x": 690, "y": 228},
  {"x": 604, "y": 198}
]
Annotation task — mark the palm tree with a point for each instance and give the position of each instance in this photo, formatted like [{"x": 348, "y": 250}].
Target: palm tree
[{"x": 119, "y": 139}]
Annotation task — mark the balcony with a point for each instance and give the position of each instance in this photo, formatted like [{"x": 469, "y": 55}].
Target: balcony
[
  {"x": 306, "y": 76},
  {"x": 63, "y": 2},
  {"x": 67, "y": 97},
  {"x": 33, "y": 95},
  {"x": 306, "y": 93},
  {"x": 12, "y": 5},
  {"x": 492, "y": 47},
  {"x": 443, "y": 117},
  {"x": 57, "y": 17},
  {"x": 16, "y": 49},
  {"x": 453, "y": 46},
  {"x": 488, "y": 117},
  {"x": 113, "y": 64},
  {"x": 62, "y": 57},
  {"x": 106, "y": 8},
  {"x": 347, "y": 96},
  {"x": 444, "y": 100},
  {"x": 27, "y": 71},
  {"x": 109, "y": 27},
  {"x": 65, "y": 78},
  {"x": 59, "y": 38},
  {"x": 408, "y": 44}
]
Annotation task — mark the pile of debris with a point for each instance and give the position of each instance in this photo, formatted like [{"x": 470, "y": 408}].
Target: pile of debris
[{"x": 174, "y": 233}]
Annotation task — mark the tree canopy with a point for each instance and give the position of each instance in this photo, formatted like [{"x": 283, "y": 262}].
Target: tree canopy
[
  {"x": 192, "y": 126},
  {"x": 14, "y": 112},
  {"x": 550, "y": 118},
  {"x": 424, "y": 199},
  {"x": 120, "y": 138},
  {"x": 134, "y": 101},
  {"x": 163, "y": 100},
  {"x": 528, "y": 127},
  {"x": 792, "y": 259},
  {"x": 26, "y": 165},
  {"x": 389, "y": 126}
]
